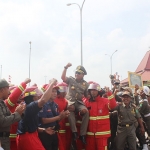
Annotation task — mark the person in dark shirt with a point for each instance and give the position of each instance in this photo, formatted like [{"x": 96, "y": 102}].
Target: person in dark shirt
[
  {"x": 27, "y": 132},
  {"x": 49, "y": 117}
]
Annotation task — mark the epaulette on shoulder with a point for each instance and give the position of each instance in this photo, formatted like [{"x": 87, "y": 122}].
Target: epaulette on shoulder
[
  {"x": 72, "y": 77},
  {"x": 86, "y": 83}
]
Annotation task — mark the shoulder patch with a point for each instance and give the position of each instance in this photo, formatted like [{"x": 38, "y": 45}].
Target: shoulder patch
[{"x": 72, "y": 77}]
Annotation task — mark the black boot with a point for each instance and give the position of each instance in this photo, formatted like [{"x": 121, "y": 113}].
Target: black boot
[
  {"x": 82, "y": 138},
  {"x": 75, "y": 135}
]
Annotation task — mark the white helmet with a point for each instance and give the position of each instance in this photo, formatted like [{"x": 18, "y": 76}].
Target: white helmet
[
  {"x": 94, "y": 86},
  {"x": 146, "y": 90}
]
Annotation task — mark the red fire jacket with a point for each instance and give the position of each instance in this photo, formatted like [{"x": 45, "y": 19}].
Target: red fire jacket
[
  {"x": 99, "y": 122},
  {"x": 11, "y": 103},
  {"x": 62, "y": 106}
]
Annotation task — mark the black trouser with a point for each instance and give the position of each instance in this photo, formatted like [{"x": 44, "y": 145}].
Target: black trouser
[
  {"x": 147, "y": 123},
  {"x": 50, "y": 142},
  {"x": 140, "y": 137},
  {"x": 113, "y": 127}
]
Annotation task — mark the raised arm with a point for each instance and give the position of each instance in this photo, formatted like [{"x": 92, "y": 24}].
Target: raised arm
[
  {"x": 111, "y": 97},
  {"x": 46, "y": 96},
  {"x": 136, "y": 99},
  {"x": 63, "y": 76},
  {"x": 14, "y": 96}
]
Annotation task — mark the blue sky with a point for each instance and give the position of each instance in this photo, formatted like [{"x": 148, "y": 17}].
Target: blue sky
[{"x": 54, "y": 30}]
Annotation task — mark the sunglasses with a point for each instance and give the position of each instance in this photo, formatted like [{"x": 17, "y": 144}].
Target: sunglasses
[{"x": 78, "y": 72}]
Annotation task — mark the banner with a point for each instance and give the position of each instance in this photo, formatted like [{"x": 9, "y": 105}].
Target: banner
[{"x": 134, "y": 79}]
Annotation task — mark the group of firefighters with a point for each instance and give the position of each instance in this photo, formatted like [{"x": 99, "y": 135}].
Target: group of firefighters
[{"x": 73, "y": 114}]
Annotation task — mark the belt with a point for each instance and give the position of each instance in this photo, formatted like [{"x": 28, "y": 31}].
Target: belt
[
  {"x": 4, "y": 134},
  {"x": 125, "y": 125}
]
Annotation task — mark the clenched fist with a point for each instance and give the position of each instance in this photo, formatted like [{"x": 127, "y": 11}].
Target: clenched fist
[
  {"x": 68, "y": 65},
  {"x": 27, "y": 80},
  {"x": 53, "y": 81}
]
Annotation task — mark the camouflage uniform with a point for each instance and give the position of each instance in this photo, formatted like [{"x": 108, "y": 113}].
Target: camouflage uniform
[{"x": 127, "y": 124}]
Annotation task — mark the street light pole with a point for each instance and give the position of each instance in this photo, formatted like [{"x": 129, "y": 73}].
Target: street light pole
[
  {"x": 111, "y": 61},
  {"x": 81, "y": 8},
  {"x": 29, "y": 59}
]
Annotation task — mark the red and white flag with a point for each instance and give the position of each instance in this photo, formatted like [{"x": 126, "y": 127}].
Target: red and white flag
[{"x": 9, "y": 79}]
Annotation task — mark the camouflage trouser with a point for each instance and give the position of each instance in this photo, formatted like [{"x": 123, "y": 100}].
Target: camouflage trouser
[
  {"x": 85, "y": 118},
  {"x": 5, "y": 143}
]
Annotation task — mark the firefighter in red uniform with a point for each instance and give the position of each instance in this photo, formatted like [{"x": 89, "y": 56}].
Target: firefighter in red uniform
[
  {"x": 62, "y": 105},
  {"x": 68, "y": 134},
  {"x": 11, "y": 103},
  {"x": 99, "y": 123}
]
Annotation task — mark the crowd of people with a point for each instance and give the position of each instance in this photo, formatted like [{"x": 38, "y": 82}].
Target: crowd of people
[{"x": 74, "y": 115}]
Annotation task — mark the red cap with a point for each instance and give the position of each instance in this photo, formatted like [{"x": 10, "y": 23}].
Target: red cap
[
  {"x": 43, "y": 88},
  {"x": 54, "y": 87},
  {"x": 29, "y": 91},
  {"x": 62, "y": 87},
  {"x": 38, "y": 92}
]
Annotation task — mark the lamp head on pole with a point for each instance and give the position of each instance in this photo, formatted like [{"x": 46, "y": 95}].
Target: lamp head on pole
[{"x": 69, "y": 4}]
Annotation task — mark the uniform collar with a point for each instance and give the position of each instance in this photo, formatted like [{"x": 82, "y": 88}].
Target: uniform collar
[
  {"x": 125, "y": 105},
  {"x": 49, "y": 102},
  {"x": 79, "y": 81}
]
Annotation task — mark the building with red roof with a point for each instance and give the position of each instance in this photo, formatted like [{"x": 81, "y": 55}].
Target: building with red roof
[{"x": 143, "y": 69}]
